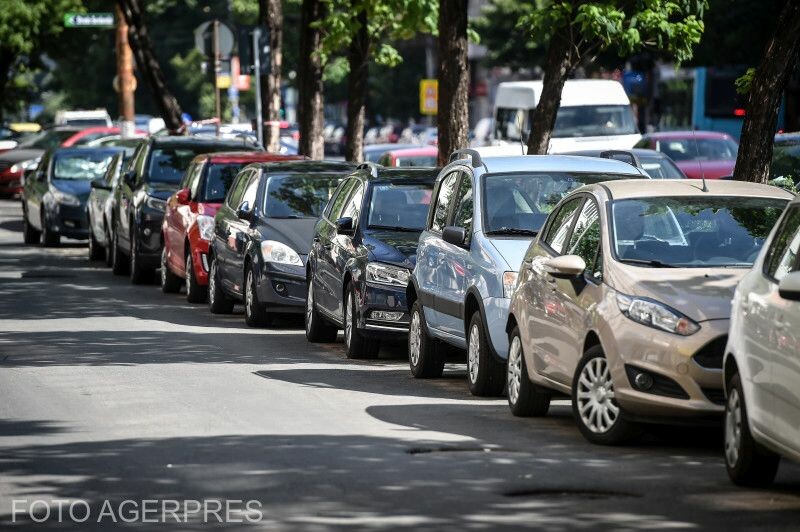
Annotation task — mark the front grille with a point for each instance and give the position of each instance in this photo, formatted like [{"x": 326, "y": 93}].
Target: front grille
[
  {"x": 710, "y": 355},
  {"x": 716, "y": 396}
]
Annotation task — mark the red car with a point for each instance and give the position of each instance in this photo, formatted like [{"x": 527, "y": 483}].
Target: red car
[
  {"x": 87, "y": 135},
  {"x": 422, "y": 156},
  {"x": 189, "y": 218},
  {"x": 699, "y": 154}
]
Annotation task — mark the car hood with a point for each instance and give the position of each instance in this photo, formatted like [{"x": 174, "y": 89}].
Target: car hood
[
  {"x": 77, "y": 187},
  {"x": 709, "y": 169},
  {"x": 512, "y": 250},
  {"x": 700, "y": 293},
  {"x": 161, "y": 190},
  {"x": 297, "y": 233},
  {"x": 20, "y": 154},
  {"x": 393, "y": 247}
]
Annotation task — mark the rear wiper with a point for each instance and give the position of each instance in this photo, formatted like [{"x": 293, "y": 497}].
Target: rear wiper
[
  {"x": 654, "y": 263},
  {"x": 512, "y": 231}
]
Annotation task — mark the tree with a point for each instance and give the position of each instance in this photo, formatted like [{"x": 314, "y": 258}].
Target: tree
[
  {"x": 270, "y": 15},
  {"x": 765, "y": 86},
  {"x": 148, "y": 64},
  {"x": 575, "y": 30},
  {"x": 453, "y": 114},
  {"x": 507, "y": 43},
  {"x": 310, "y": 82}
]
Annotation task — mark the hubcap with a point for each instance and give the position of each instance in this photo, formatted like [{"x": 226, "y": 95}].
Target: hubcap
[
  {"x": 249, "y": 294},
  {"x": 164, "y": 267},
  {"x": 414, "y": 338},
  {"x": 473, "y": 353},
  {"x": 514, "y": 370},
  {"x": 595, "y": 397},
  {"x": 189, "y": 273},
  {"x": 348, "y": 320},
  {"x": 310, "y": 305},
  {"x": 733, "y": 428},
  {"x": 212, "y": 282}
]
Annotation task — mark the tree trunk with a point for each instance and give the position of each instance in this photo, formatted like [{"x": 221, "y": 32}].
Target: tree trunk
[
  {"x": 309, "y": 80},
  {"x": 769, "y": 82},
  {"x": 271, "y": 16},
  {"x": 559, "y": 64},
  {"x": 453, "y": 113},
  {"x": 358, "y": 60},
  {"x": 148, "y": 65}
]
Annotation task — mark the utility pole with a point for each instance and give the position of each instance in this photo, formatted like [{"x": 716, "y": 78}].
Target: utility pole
[
  {"x": 257, "y": 78},
  {"x": 217, "y": 72},
  {"x": 126, "y": 82}
]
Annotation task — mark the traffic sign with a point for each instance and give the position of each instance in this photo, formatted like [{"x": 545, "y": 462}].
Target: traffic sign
[
  {"x": 89, "y": 20},
  {"x": 203, "y": 35},
  {"x": 428, "y": 96}
]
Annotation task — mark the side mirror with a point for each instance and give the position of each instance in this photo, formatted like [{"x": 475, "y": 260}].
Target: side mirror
[
  {"x": 100, "y": 183},
  {"x": 344, "y": 226},
  {"x": 245, "y": 212},
  {"x": 28, "y": 175},
  {"x": 183, "y": 196},
  {"x": 130, "y": 178},
  {"x": 789, "y": 287},
  {"x": 454, "y": 235},
  {"x": 565, "y": 266}
]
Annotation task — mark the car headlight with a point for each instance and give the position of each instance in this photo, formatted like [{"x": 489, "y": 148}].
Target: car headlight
[
  {"x": 387, "y": 274},
  {"x": 63, "y": 198},
  {"x": 280, "y": 253},
  {"x": 656, "y": 315},
  {"x": 205, "y": 224},
  {"x": 509, "y": 283},
  {"x": 24, "y": 165},
  {"x": 156, "y": 203}
]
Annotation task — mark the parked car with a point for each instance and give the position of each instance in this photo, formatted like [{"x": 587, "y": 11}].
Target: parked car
[
  {"x": 658, "y": 165},
  {"x": 54, "y": 198},
  {"x": 697, "y": 153},
  {"x": 425, "y": 156},
  {"x": 83, "y": 118},
  {"x": 14, "y": 163},
  {"x": 262, "y": 237},
  {"x": 100, "y": 208},
  {"x": 485, "y": 213},
  {"x": 154, "y": 173},
  {"x": 786, "y": 156},
  {"x": 85, "y": 137},
  {"x": 130, "y": 143},
  {"x": 189, "y": 219},
  {"x": 364, "y": 249},
  {"x": 623, "y": 301},
  {"x": 762, "y": 374},
  {"x": 373, "y": 152}
]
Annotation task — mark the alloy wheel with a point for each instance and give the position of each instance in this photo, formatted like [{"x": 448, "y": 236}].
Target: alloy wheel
[
  {"x": 310, "y": 305},
  {"x": 474, "y": 353},
  {"x": 248, "y": 294},
  {"x": 348, "y": 320},
  {"x": 733, "y": 427},
  {"x": 164, "y": 267},
  {"x": 595, "y": 395},
  {"x": 212, "y": 283},
  {"x": 514, "y": 370},
  {"x": 189, "y": 272},
  {"x": 415, "y": 338}
]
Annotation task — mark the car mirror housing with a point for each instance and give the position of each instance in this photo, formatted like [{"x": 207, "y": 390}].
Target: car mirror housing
[
  {"x": 100, "y": 184},
  {"x": 130, "y": 178},
  {"x": 565, "y": 266},
  {"x": 245, "y": 212},
  {"x": 789, "y": 287},
  {"x": 344, "y": 226},
  {"x": 454, "y": 235},
  {"x": 183, "y": 196}
]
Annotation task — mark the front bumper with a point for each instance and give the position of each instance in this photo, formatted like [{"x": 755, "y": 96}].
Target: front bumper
[
  {"x": 199, "y": 250},
  {"x": 148, "y": 236},
  {"x": 496, "y": 316},
  {"x": 282, "y": 288},
  {"x": 71, "y": 221},
  {"x": 375, "y": 299}
]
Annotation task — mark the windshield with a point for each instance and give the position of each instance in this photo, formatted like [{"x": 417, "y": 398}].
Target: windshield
[
  {"x": 699, "y": 149},
  {"x": 517, "y": 203},
  {"x": 399, "y": 206},
  {"x": 419, "y": 160},
  {"x": 594, "y": 120},
  {"x": 168, "y": 164},
  {"x": 89, "y": 165},
  {"x": 44, "y": 140},
  {"x": 693, "y": 232},
  {"x": 298, "y": 196},
  {"x": 660, "y": 168},
  {"x": 219, "y": 178}
]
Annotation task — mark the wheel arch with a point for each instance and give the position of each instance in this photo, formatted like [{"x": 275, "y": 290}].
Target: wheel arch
[
  {"x": 592, "y": 339},
  {"x": 729, "y": 368}
]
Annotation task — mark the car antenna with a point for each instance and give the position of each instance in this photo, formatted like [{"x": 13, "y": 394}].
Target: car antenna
[{"x": 702, "y": 172}]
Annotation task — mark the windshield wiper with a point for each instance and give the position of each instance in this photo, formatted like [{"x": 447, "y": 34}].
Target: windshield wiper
[
  {"x": 395, "y": 228},
  {"x": 512, "y": 231},
  {"x": 654, "y": 263}
]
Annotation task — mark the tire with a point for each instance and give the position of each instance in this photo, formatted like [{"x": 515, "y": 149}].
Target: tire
[
  {"x": 194, "y": 292},
  {"x": 356, "y": 344},
  {"x": 218, "y": 301},
  {"x": 747, "y": 462},
  {"x": 255, "y": 312},
  {"x": 525, "y": 399},
  {"x": 29, "y": 234},
  {"x": 138, "y": 274},
  {"x": 485, "y": 375},
  {"x": 119, "y": 262},
  {"x": 109, "y": 257},
  {"x": 170, "y": 283},
  {"x": 49, "y": 238},
  {"x": 595, "y": 427},
  {"x": 96, "y": 251},
  {"x": 424, "y": 356},
  {"x": 318, "y": 329}
]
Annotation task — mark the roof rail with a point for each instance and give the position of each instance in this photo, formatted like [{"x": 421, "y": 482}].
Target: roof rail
[
  {"x": 634, "y": 159},
  {"x": 371, "y": 167},
  {"x": 475, "y": 157}
]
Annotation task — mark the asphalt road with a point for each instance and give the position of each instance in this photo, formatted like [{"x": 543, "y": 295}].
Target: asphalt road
[{"x": 113, "y": 392}]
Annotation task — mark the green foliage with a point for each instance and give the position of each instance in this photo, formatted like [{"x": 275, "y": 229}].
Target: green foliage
[
  {"x": 744, "y": 83},
  {"x": 507, "y": 43}
]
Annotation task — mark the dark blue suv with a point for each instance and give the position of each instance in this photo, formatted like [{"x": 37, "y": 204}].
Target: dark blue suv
[{"x": 365, "y": 246}]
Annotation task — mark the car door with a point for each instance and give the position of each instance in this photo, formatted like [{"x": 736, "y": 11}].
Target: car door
[
  {"x": 324, "y": 270},
  {"x": 35, "y": 190},
  {"x": 126, "y": 188},
  {"x": 178, "y": 217},
  {"x": 239, "y": 233},
  {"x": 342, "y": 248},
  {"x": 224, "y": 240}
]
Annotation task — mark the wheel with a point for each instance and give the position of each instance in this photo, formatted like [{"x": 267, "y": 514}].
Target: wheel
[
  {"x": 524, "y": 398},
  {"x": 170, "y": 283},
  {"x": 109, "y": 257},
  {"x": 599, "y": 417},
  {"x": 95, "y": 249},
  {"x": 138, "y": 273},
  {"x": 194, "y": 292},
  {"x": 748, "y": 463},
  {"x": 255, "y": 313},
  {"x": 119, "y": 262},
  {"x": 29, "y": 233},
  {"x": 485, "y": 374},
  {"x": 49, "y": 238},
  {"x": 356, "y": 344},
  {"x": 318, "y": 329},
  {"x": 218, "y": 301},
  {"x": 424, "y": 356}
]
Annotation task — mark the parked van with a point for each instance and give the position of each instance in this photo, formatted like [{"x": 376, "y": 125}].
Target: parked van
[
  {"x": 90, "y": 118},
  {"x": 594, "y": 114}
]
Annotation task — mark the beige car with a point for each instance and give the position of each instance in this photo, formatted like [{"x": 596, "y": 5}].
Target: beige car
[{"x": 624, "y": 298}]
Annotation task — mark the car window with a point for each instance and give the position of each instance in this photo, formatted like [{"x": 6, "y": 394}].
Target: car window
[
  {"x": 658, "y": 168},
  {"x": 464, "y": 206},
  {"x": 353, "y": 206},
  {"x": 782, "y": 255},
  {"x": 561, "y": 223},
  {"x": 443, "y": 201},
  {"x": 335, "y": 206},
  {"x": 399, "y": 206},
  {"x": 218, "y": 180},
  {"x": 194, "y": 180},
  {"x": 298, "y": 195},
  {"x": 585, "y": 238},
  {"x": 699, "y": 149},
  {"x": 235, "y": 195},
  {"x": 187, "y": 176},
  {"x": 112, "y": 170},
  {"x": 81, "y": 165},
  {"x": 251, "y": 189}
]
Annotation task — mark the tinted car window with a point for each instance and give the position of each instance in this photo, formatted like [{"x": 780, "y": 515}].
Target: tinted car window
[
  {"x": 557, "y": 233},
  {"x": 167, "y": 165},
  {"x": 234, "y": 197},
  {"x": 660, "y": 168},
  {"x": 698, "y": 149},
  {"x": 585, "y": 238},
  {"x": 45, "y": 140},
  {"x": 782, "y": 255},
  {"x": 464, "y": 207},
  {"x": 88, "y": 165},
  {"x": 298, "y": 196},
  {"x": 443, "y": 201},
  {"x": 336, "y": 204},
  {"x": 219, "y": 178},
  {"x": 353, "y": 207},
  {"x": 399, "y": 206}
]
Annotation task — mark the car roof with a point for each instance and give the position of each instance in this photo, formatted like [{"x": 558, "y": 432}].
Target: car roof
[
  {"x": 404, "y": 173},
  {"x": 246, "y": 157},
  {"x": 634, "y": 188},
  {"x": 92, "y": 149},
  {"x": 232, "y": 144},
  {"x": 558, "y": 163},
  {"x": 687, "y": 134},
  {"x": 642, "y": 152},
  {"x": 306, "y": 166}
]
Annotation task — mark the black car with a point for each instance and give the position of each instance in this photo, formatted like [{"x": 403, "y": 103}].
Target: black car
[
  {"x": 55, "y": 194},
  {"x": 365, "y": 246},
  {"x": 153, "y": 174},
  {"x": 24, "y": 158},
  {"x": 658, "y": 165},
  {"x": 262, "y": 236}
]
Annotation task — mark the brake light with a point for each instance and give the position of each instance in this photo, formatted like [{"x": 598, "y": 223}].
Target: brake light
[{"x": 738, "y": 112}]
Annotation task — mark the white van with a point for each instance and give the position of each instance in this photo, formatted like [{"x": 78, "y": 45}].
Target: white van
[
  {"x": 85, "y": 118},
  {"x": 594, "y": 114}
]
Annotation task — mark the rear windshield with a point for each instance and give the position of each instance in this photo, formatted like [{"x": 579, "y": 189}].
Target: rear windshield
[
  {"x": 699, "y": 149},
  {"x": 298, "y": 196},
  {"x": 402, "y": 207},
  {"x": 89, "y": 165},
  {"x": 219, "y": 178},
  {"x": 660, "y": 168},
  {"x": 44, "y": 140},
  {"x": 168, "y": 164}
]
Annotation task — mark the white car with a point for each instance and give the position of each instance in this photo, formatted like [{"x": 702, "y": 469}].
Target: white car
[{"x": 762, "y": 362}]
